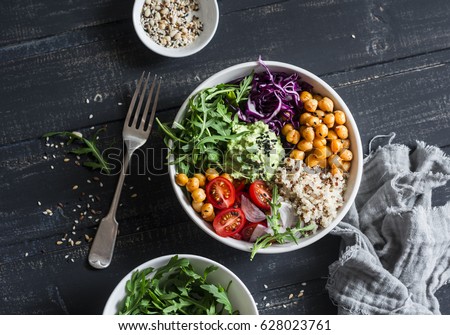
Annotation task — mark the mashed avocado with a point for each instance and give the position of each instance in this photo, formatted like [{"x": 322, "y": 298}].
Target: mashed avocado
[{"x": 254, "y": 155}]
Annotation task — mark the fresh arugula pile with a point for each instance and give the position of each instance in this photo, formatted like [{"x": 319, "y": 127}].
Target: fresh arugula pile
[
  {"x": 201, "y": 139},
  {"x": 173, "y": 290},
  {"x": 87, "y": 147},
  {"x": 273, "y": 222}
]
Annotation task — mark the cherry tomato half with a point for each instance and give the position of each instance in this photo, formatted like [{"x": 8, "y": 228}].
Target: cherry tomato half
[
  {"x": 229, "y": 222},
  {"x": 260, "y": 194},
  {"x": 220, "y": 193}
]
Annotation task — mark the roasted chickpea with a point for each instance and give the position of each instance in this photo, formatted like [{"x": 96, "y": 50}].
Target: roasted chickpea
[
  {"x": 192, "y": 184},
  {"x": 332, "y": 135},
  {"x": 308, "y": 134},
  {"x": 328, "y": 151},
  {"x": 345, "y": 144},
  {"x": 318, "y": 97},
  {"x": 313, "y": 121},
  {"x": 197, "y": 206},
  {"x": 346, "y": 155},
  {"x": 319, "y": 142},
  {"x": 211, "y": 174},
  {"x": 305, "y": 95},
  {"x": 326, "y": 104},
  {"x": 319, "y": 113},
  {"x": 310, "y": 105},
  {"x": 340, "y": 117},
  {"x": 198, "y": 195},
  {"x": 329, "y": 120},
  {"x": 297, "y": 155},
  {"x": 321, "y": 131},
  {"x": 320, "y": 153},
  {"x": 311, "y": 161},
  {"x": 304, "y": 145},
  {"x": 304, "y": 117},
  {"x": 209, "y": 218},
  {"x": 293, "y": 136},
  {"x": 341, "y": 131},
  {"x": 181, "y": 179},
  {"x": 346, "y": 166},
  {"x": 286, "y": 128},
  {"x": 335, "y": 170},
  {"x": 207, "y": 210},
  {"x": 336, "y": 146},
  {"x": 227, "y": 176},
  {"x": 323, "y": 163},
  {"x": 201, "y": 179},
  {"x": 335, "y": 160}
]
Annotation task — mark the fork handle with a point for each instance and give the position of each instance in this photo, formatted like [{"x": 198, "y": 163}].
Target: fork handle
[{"x": 102, "y": 248}]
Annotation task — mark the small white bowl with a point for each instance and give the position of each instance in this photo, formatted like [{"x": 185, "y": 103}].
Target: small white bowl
[
  {"x": 240, "y": 297},
  {"x": 208, "y": 13},
  {"x": 241, "y": 70}
]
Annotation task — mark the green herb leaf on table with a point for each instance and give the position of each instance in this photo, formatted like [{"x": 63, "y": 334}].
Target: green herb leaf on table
[
  {"x": 88, "y": 147},
  {"x": 175, "y": 288}
]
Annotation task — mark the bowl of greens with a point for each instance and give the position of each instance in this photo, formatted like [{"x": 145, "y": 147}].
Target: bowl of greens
[
  {"x": 180, "y": 285},
  {"x": 264, "y": 157}
]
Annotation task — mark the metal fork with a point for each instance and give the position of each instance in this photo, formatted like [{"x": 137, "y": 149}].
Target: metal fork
[{"x": 136, "y": 131}]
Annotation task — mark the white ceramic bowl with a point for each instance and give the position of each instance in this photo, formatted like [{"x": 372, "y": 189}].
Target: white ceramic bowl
[
  {"x": 208, "y": 13},
  {"x": 319, "y": 86},
  {"x": 239, "y": 295}
]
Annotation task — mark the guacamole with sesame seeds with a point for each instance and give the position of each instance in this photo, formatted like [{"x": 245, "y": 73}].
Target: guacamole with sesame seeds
[{"x": 254, "y": 155}]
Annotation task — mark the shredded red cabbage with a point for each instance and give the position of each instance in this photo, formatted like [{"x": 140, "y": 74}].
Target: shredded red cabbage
[{"x": 274, "y": 99}]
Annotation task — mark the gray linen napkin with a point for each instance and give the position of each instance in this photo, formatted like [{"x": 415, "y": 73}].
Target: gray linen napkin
[{"x": 395, "y": 250}]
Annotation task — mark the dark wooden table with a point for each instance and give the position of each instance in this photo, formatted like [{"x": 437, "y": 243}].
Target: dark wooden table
[{"x": 71, "y": 65}]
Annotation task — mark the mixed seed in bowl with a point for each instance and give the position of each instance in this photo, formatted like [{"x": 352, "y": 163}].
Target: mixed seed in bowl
[{"x": 170, "y": 23}]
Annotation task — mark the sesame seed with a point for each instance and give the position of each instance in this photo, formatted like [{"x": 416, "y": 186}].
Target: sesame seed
[
  {"x": 264, "y": 298},
  {"x": 66, "y": 256},
  {"x": 303, "y": 284},
  {"x": 74, "y": 187},
  {"x": 101, "y": 184},
  {"x": 59, "y": 242},
  {"x": 39, "y": 203},
  {"x": 120, "y": 104},
  {"x": 45, "y": 157},
  {"x": 72, "y": 260},
  {"x": 87, "y": 101},
  {"x": 268, "y": 304},
  {"x": 134, "y": 195},
  {"x": 91, "y": 116},
  {"x": 88, "y": 181},
  {"x": 291, "y": 296},
  {"x": 66, "y": 160},
  {"x": 26, "y": 254},
  {"x": 265, "y": 286},
  {"x": 52, "y": 167},
  {"x": 77, "y": 242}
]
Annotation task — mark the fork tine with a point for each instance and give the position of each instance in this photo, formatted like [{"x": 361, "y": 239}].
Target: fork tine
[
  {"x": 133, "y": 101},
  {"x": 152, "y": 115},
  {"x": 141, "y": 100},
  {"x": 147, "y": 105}
]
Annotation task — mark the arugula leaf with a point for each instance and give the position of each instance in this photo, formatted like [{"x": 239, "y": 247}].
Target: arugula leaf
[
  {"x": 175, "y": 288},
  {"x": 200, "y": 140},
  {"x": 220, "y": 294},
  {"x": 89, "y": 148}
]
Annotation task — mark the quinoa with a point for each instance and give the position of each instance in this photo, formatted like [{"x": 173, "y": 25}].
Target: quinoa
[{"x": 315, "y": 194}]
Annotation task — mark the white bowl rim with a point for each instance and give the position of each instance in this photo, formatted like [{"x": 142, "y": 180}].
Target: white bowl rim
[
  {"x": 112, "y": 301},
  {"x": 275, "y": 248},
  {"x": 173, "y": 52}
]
